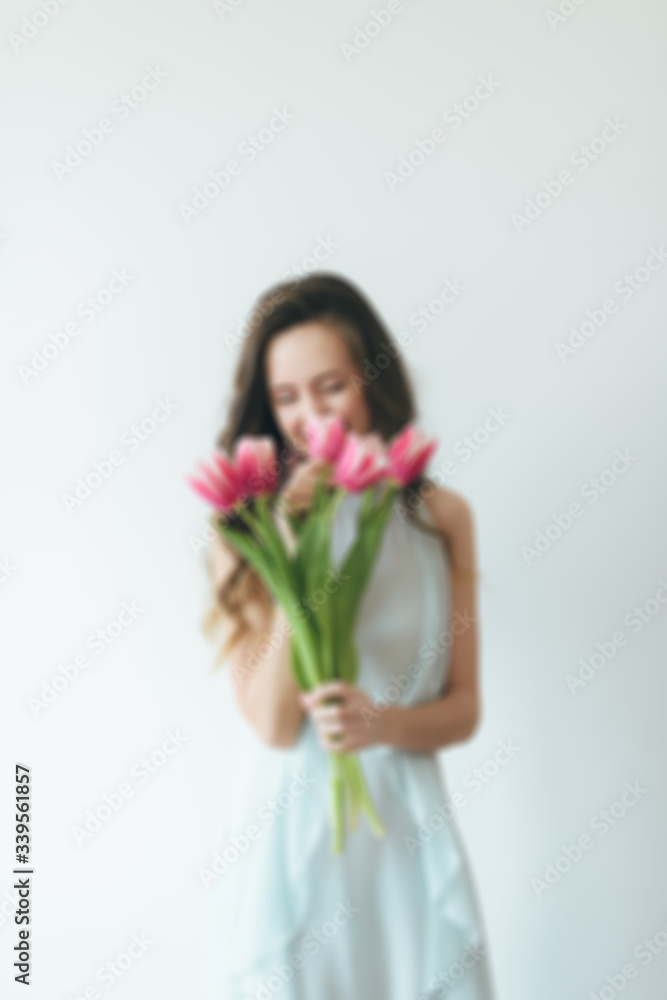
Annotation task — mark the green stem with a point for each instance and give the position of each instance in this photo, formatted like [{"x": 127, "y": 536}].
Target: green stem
[
  {"x": 267, "y": 530},
  {"x": 338, "y": 803},
  {"x": 307, "y": 654},
  {"x": 353, "y": 793},
  {"x": 335, "y": 501},
  {"x": 349, "y": 788},
  {"x": 365, "y": 799}
]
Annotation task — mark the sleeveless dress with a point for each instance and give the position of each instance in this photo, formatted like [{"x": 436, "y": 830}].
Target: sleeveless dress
[{"x": 393, "y": 917}]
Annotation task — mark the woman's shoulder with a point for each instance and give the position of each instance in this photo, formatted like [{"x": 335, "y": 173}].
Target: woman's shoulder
[
  {"x": 450, "y": 513},
  {"x": 447, "y": 509}
]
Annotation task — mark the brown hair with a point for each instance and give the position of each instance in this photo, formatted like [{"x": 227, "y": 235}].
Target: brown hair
[{"x": 388, "y": 392}]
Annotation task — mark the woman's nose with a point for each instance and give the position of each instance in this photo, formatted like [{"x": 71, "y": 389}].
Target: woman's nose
[
  {"x": 314, "y": 409},
  {"x": 309, "y": 412}
]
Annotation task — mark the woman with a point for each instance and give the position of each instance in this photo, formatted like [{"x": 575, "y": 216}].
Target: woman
[{"x": 396, "y": 917}]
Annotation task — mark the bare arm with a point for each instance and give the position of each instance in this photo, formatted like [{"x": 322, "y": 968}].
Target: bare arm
[
  {"x": 265, "y": 690},
  {"x": 455, "y": 716}
]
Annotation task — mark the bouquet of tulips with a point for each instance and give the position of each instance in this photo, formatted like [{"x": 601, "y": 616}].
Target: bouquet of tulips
[{"x": 322, "y": 646}]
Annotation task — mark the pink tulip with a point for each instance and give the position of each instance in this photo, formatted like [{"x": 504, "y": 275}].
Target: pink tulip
[
  {"x": 408, "y": 454},
  {"x": 220, "y": 484},
  {"x": 326, "y": 437},
  {"x": 226, "y": 484},
  {"x": 257, "y": 461},
  {"x": 361, "y": 462}
]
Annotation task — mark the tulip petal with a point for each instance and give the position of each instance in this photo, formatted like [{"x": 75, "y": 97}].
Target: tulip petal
[
  {"x": 325, "y": 437},
  {"x": 409, "y": 453}
]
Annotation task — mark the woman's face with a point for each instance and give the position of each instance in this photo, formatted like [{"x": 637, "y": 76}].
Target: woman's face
[{"x": 309, "y": 373}]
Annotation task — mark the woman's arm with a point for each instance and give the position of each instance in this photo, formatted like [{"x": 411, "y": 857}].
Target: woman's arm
[
  {"x": 455, "y": 716},
  {"x": 437, "y": 723},
  {"x": 266, "y": 692}
]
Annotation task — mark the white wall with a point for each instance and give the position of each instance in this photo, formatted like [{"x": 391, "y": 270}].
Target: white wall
[{"x": 167, "y": 336}]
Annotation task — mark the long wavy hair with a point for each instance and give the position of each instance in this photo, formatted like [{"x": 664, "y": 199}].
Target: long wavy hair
[{"x": 388, "y": 393}]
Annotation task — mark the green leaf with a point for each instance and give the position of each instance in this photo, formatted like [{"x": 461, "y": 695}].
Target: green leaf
[
  {"x": 361, "y": 557},
  {"x": 249, "y": 549},
  {"x": 271, "y": 537},
  {"x": 298, "y": 670}
]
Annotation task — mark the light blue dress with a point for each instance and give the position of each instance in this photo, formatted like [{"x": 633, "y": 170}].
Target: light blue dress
[{"x": 393, "y": 917}]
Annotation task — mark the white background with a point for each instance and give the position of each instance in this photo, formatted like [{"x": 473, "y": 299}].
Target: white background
[{"x": 169, "y": 336}]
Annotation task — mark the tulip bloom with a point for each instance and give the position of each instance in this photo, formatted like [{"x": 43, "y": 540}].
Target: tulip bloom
[
  {"x": 220, "y": 484},
  {"x": 257, "y": 461},
  {"x": 228, "y": 484},
  {"x": 361, "y": 463},
  {"x": 408, "y": 454},
  {"x": 326, "y": 437}
]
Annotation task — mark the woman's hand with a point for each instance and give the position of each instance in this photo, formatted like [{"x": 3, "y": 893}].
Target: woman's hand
[
  {"x": 296, "y": 495},
  {"x": 352, "y": 723}
]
